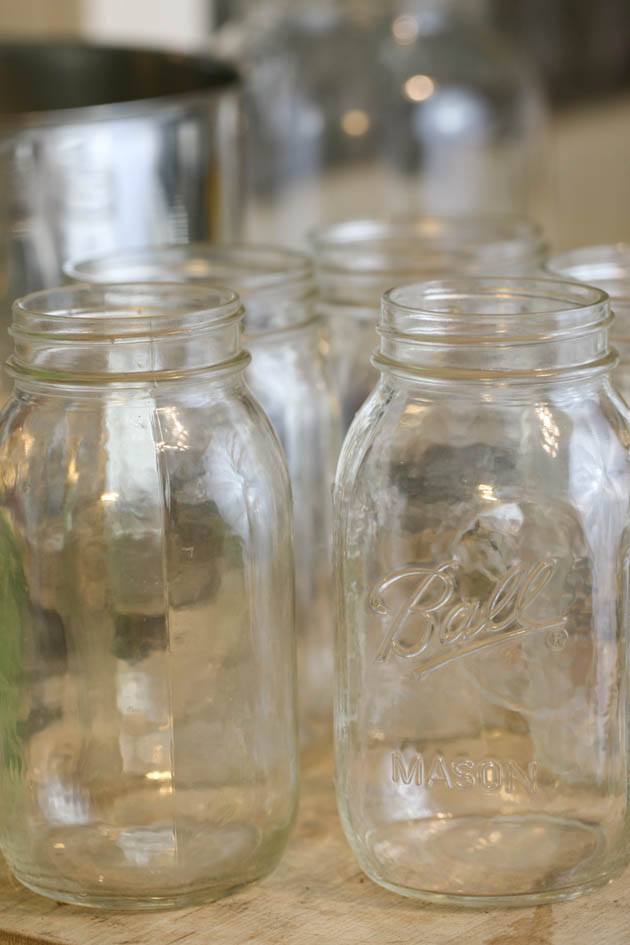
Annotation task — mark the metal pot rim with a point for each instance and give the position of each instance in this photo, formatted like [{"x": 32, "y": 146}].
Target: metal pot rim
[{"x": 221, "y": 77}]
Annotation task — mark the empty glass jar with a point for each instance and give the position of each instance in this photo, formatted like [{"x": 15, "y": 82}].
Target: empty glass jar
[
  {"x": 354, "y": 106},
  {"x": 609, "y": 268},
  {"x": 290, "y": 376},
  {"x": 482, "y": 548},
  {"x": 147, "y": 724},
  {"x": 357, "y": 260}
]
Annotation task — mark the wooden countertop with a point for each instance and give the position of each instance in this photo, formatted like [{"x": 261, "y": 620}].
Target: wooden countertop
[{"x": 318, "y": 896}]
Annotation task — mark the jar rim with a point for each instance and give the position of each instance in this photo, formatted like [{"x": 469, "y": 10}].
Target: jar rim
[
  {"x": 129, "y": 333},
  {"x": 134, "y": 311},
  {"x": 484, "y": 328},
  {"x": 266, "y": 277},
  {"x": 555, "y": 306},
  {"x": 248, "y": 267},
  {"x": 353, "y": 246},
  {"x": 260, "y": 266},
  {"x": 605, "y": 264}
]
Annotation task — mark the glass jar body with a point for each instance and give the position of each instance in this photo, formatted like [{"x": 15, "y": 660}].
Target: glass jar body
[
  {"x": 148, "y": 753},
  {"x": 353, "y": 340},
  {"x": 608, "y": 267},
  {"x": 621, "y": 376},
  {"x": 291, "y": 377},
  {"x": 352, "y": 273},
  {"x": 446, "y": 119},
  {"x": 289, "y": 374},
  {"x": 482, "y": 560}
]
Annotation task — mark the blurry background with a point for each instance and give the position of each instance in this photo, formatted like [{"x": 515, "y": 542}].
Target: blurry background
[
  {"x": 581, "y": 47},
  {"x": 168, "y": 23}
]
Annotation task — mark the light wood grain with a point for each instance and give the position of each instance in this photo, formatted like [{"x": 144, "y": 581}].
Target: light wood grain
[{"x": 318, "y": 896}]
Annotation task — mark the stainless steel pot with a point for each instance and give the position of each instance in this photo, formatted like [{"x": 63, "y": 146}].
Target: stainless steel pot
[{"x": 104, "y": 148}]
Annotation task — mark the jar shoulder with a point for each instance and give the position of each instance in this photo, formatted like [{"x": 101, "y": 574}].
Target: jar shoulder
[
  {"x": 421, "y": 450},
  {"x": 215, "y": 439}
]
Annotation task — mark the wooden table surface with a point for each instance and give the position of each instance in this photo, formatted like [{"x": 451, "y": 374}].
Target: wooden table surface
[{"x": 318, "y": 896}]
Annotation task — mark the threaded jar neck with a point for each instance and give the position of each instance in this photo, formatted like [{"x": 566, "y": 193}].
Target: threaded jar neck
[
  {"x": 606, "y": 266},
  {"x": 478, "y": 328},
  {"x": 275, "y": 285},
  {"x": 357, "y": 260},
  {"x": 87, "y": 334}
]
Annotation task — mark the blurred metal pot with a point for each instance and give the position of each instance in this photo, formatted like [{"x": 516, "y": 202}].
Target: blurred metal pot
[{"x": 104, "y": 148}]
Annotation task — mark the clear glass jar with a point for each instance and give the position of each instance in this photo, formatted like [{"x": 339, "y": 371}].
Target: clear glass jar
[
  {"x": 290, "y": 376},
  {"x": 354, "y": 106},
  {"x": 482, "y": 553},
  {"x": 609, "y": 268},
  {"x": 357, "y": 260},
  {"x": 147, "y": 723}
]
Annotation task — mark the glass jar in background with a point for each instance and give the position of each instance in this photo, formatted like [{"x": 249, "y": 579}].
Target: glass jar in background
[
  {"x": 290, "y": 376},
  {"x": 609, "y": 268},
  {"x": 147, "y": 723},
  {"x": 368, "y": 106},
  {"x": 482, "y": 554},
  {"x": 357, "y": 260}
]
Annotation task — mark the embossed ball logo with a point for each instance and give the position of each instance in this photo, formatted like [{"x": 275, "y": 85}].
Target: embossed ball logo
[{"x": 431, "y": 623}]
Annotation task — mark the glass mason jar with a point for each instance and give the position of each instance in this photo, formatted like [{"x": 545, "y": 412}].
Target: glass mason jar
[
  {"x": 609, "y": 268},
  {"x": 357, "y": 260},
  {"x": 354, "y": 106},
  {"x": 147, "y": 724},
  {"x": 290, "y": 376},
  {"x": 482, "y": 552}
]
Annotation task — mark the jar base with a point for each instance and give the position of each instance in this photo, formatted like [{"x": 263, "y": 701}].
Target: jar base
[
  {"x": 490, "y": 861},
  {"x": 144, "y": 889},
  {"x": 158, "y": 903},
  {"x": 144, "y": 867},
  {"x": 520, "y": 901}
]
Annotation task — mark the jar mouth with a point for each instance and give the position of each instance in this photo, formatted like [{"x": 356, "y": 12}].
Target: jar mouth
[
  {"x": 380, "y": 253},
  {"x": 274, "y": 283},
  {"x": 496, "y": 326},
  {"x": 606, "y": 266},
  {"x": 506, "y": 309},
  {"x": 130, "y": 329},
  {"x": 133, "y": 310}
]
